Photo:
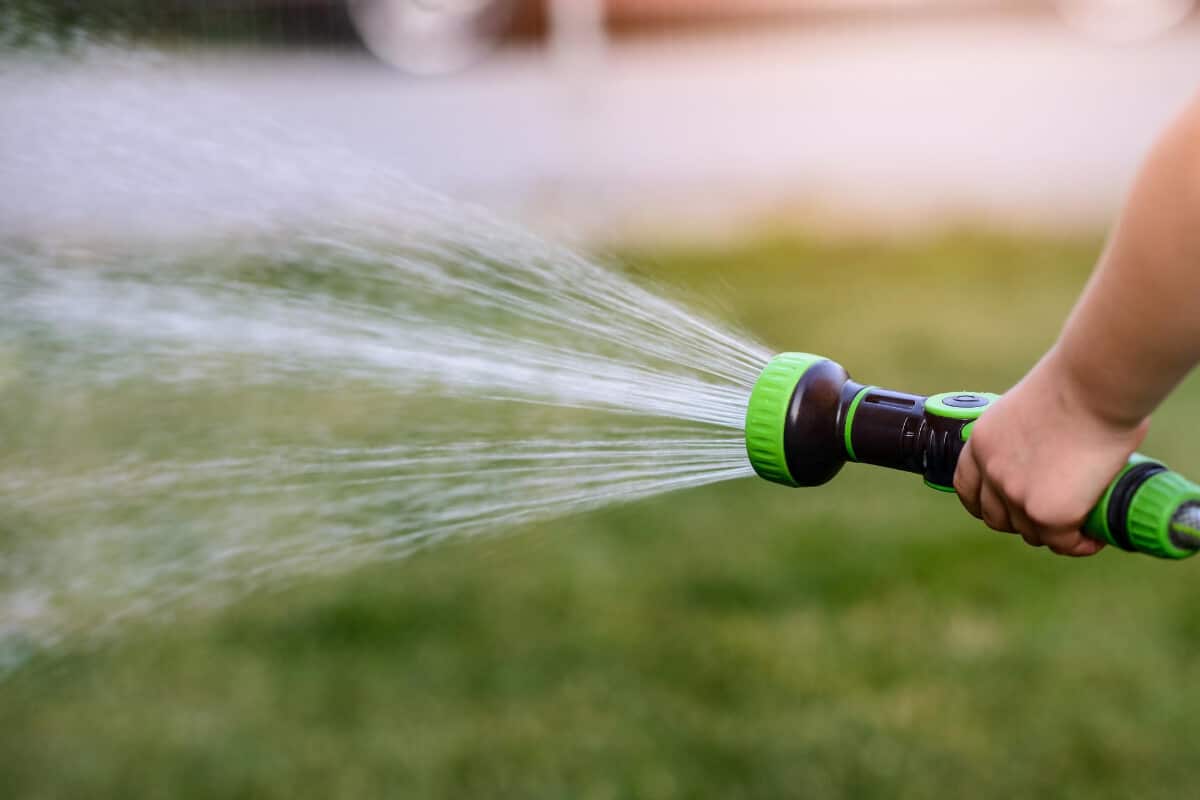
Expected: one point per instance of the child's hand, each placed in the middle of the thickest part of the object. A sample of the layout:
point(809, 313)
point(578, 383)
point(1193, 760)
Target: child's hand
point(1039, 460)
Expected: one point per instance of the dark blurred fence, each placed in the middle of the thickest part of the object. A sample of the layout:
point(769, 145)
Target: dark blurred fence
point(331, 22)
point(260, 21)
point(312, 22)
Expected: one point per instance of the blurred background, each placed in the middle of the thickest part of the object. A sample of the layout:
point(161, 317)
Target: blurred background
point(677, 115)
point(918, 188)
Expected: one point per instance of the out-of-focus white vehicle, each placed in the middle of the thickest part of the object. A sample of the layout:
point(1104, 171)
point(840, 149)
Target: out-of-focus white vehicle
point(432, 36)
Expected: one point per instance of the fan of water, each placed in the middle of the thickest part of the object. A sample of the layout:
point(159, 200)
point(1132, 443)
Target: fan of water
point(187, 416)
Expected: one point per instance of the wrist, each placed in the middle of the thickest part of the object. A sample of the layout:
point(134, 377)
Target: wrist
point(1081, 390)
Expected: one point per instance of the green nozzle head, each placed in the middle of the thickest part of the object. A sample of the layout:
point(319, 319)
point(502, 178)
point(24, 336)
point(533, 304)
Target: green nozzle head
point(767, 414)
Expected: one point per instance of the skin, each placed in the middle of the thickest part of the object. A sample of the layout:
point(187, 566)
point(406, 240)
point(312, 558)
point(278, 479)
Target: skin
point(1039, 460)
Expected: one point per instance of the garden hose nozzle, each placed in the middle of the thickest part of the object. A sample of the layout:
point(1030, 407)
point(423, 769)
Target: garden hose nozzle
point(807, 418)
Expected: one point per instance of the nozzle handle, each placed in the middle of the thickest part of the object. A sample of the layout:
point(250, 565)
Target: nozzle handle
point(1146, 509)
point(806, 418)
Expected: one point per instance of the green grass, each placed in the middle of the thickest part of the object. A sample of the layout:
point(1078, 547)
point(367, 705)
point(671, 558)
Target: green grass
point(867, 639)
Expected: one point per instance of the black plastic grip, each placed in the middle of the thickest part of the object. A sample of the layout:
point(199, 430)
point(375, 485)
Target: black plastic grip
point(893, 429)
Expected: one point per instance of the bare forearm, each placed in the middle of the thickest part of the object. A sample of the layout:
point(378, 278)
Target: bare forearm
point(1136, 331)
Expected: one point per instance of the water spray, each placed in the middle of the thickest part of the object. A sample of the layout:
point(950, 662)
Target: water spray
point(807, 418)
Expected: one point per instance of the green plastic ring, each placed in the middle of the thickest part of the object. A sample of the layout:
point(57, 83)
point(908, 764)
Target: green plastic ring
point(848, 427)
point(936, 405)
point(766, 414)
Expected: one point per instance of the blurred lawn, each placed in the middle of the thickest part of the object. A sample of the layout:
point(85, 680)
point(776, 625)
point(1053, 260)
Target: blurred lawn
point(740, 641)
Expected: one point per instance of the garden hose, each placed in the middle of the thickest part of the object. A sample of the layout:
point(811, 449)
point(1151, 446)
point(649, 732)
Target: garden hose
point(807, 418)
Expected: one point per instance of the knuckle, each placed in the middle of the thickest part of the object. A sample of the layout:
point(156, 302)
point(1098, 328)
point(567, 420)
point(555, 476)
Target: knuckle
point(1015, 489)
point(996, 520)
point(981, 435)
point(1009, 482)
point(997, 471)
point(1048, 512)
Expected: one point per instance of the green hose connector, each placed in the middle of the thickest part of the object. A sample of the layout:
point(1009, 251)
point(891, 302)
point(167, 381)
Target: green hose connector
point(1152, 515)
point(806, 419)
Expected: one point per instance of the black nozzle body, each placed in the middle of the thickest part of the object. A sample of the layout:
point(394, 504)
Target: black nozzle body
point(832, 420)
